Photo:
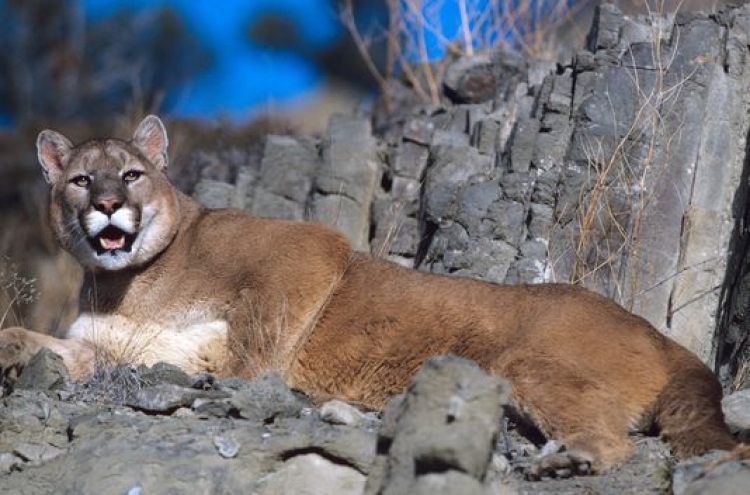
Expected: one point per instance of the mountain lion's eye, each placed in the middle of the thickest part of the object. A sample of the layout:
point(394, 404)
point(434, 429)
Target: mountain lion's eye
point(81, 180)
point(131, 175)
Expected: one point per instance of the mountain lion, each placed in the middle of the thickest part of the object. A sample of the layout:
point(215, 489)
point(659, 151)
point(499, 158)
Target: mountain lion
point(223, 292)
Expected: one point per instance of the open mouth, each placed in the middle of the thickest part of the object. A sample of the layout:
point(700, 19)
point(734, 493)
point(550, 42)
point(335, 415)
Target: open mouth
point(112, 239)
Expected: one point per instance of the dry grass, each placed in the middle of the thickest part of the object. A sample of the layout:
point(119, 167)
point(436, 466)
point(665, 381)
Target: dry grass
point(618, 200)
point(394, 220)
point(742, 378)
point(15, 291)
point(618, 194)
point(415, 33)
point(110, 383)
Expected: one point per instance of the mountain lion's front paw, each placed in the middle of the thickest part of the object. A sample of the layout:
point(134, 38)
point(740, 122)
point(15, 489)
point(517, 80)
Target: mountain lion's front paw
point(561, 465)
point(16, 350)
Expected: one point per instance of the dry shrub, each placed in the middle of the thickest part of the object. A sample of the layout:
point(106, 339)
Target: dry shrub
point(617, 196)
point(15, 291)
point(416, 32)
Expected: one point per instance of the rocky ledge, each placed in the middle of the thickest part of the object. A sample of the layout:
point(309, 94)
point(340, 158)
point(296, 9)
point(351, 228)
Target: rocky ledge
point(153, 431)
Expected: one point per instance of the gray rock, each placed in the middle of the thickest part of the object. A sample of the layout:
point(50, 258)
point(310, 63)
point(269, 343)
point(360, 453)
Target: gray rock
point(418, 131)
point(268, 204)
point(340, 413)
point(737, 483)
point(486, 136)
point(450, 483)
point(353, 447)
point(266, 399)
point(396, 234)
point(509, 221)
point(285, 179)
point(540, 222)
point(110, 455)
point(8, 462)
point(551, 146)
point(227, 447)
point(473, 207)
point(471, 79)
point(443, 137)
point(517, 186)
point(453, 252)
point(704, 476)
point(561, 96)
point(164, 373)
point(499, 476)
point(46, 372)
point(36, 453)
point(347, 178)
point(287, 167)
point(405, 190)
point(442, 431)
point(409, 160)
point(351, 166)
point(523, 144)
point(244, 189)
point(346, 215)
point(213, 194)
point(451, 167)
point(529, 271)
point(166, 397)
point(605, 31)
point(534, 249)
point(736, 408)
point(311, 474)
point(90, 449)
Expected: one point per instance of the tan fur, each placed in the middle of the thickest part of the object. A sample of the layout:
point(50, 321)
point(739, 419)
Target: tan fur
point(224, 292)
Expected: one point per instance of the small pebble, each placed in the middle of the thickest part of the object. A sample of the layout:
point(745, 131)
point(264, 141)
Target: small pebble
point(228, 447)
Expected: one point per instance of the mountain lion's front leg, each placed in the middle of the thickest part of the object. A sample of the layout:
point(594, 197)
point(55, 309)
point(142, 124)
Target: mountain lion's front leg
point(18, 346)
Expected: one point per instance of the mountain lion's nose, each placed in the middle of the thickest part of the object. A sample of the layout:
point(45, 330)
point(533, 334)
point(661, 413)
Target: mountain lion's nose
point(107, 205)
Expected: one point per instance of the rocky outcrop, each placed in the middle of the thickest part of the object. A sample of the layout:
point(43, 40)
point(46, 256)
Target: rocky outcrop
point(174, 434)
point(157, 430)
point(439, 437)
point(226, 437)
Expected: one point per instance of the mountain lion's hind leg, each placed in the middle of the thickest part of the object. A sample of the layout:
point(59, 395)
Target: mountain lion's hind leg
point(571, 409)
point(18, 346)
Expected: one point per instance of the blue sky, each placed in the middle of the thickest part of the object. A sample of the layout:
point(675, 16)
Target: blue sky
point(243, 78)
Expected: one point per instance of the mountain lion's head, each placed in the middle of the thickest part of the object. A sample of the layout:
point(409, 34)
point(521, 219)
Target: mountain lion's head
point(111, 204)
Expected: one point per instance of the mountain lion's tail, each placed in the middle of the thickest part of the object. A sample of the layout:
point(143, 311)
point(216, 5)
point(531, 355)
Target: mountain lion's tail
point(688, 409)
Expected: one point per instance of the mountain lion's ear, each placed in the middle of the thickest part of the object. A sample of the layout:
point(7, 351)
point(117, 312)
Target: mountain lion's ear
point(53, 151)
point(151, 139)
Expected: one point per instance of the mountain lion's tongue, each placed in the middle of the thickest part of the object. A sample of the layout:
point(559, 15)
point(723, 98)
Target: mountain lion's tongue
point(112, 241)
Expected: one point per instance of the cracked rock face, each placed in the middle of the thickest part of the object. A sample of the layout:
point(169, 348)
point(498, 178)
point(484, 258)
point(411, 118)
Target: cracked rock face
point(444, 435)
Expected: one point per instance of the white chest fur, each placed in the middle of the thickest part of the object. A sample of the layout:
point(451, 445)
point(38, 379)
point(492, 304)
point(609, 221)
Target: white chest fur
point(194, 342)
